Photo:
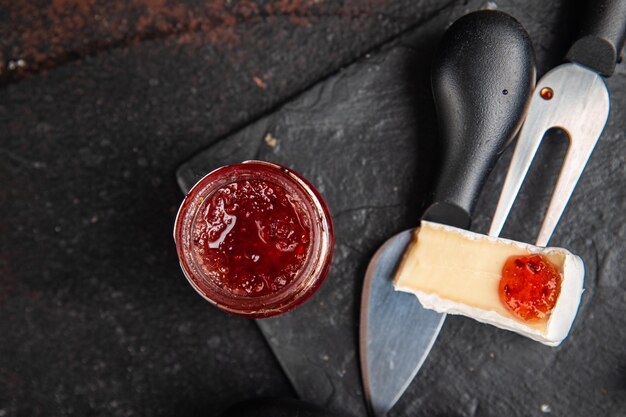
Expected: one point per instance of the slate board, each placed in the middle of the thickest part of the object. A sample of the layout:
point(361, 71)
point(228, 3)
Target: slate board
point(366, 138)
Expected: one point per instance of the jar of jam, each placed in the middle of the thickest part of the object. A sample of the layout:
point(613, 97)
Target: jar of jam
point(255, 239)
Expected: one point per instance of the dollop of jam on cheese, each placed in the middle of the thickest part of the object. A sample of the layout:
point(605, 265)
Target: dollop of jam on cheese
point(530, 286)
point(252, 237)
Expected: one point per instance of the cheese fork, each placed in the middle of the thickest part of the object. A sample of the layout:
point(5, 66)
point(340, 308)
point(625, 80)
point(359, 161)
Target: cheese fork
point(574, 98)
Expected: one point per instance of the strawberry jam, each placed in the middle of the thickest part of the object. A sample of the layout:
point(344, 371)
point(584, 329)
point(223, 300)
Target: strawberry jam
point(251, 237)
point(530, 286)
point(255, 238)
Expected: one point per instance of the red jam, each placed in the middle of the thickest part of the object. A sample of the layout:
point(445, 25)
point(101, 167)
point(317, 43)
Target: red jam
point(530, 286)
point(251, 237)
point(255, 238)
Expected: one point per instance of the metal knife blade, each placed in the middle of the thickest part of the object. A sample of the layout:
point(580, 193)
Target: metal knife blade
point(403, 318)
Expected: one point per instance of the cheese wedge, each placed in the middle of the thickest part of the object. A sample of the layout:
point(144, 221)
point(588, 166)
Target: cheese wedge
point(455, 271)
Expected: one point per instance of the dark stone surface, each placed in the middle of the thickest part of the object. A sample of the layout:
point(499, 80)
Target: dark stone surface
point(366, 138)
point(95, 316)
point(277, 407)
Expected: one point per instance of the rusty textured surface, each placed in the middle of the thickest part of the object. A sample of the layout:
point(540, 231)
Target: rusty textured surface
point(39, 35)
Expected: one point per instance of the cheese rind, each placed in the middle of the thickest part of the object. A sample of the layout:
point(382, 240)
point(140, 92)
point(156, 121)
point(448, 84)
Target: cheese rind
point(455, 271)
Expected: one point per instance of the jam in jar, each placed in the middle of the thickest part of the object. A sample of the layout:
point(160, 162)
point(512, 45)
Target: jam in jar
point(255, 238)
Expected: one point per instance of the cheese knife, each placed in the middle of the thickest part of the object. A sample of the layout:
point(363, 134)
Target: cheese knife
point(482, 80)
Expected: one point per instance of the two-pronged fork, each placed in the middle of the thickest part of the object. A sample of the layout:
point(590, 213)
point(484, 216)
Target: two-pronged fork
point(572, 97)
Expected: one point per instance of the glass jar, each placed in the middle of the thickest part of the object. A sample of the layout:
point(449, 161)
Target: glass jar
point(255, 239)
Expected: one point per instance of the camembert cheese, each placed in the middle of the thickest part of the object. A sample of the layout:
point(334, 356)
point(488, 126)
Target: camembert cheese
point(455, 271)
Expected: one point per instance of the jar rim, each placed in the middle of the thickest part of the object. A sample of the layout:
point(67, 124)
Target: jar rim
point(309, 276)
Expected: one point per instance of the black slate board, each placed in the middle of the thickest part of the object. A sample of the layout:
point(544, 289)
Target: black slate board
point(316, 342)
point(366, 138)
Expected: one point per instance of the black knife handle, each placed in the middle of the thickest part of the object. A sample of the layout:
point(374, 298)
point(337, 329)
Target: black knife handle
point(601, 36)
point(482, 80)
